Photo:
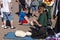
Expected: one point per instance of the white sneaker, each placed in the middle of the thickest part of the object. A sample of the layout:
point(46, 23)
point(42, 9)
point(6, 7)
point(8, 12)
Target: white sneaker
point(12, 27)
point(5, 27)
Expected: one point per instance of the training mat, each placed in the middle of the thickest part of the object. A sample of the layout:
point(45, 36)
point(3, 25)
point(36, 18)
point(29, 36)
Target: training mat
point(11, 36)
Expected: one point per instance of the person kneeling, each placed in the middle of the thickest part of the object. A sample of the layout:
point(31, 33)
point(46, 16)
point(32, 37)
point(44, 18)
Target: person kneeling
point(23, 19)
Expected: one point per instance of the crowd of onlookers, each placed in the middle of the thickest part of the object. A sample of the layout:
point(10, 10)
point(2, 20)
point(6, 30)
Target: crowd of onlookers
point(27, 9)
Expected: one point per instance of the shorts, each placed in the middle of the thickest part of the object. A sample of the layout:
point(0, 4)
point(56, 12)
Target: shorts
point(24, 22)
point(7, 16)
point(34, 8)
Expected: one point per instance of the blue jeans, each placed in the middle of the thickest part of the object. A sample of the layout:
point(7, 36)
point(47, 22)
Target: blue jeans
point(7, 16)
point(34, 8)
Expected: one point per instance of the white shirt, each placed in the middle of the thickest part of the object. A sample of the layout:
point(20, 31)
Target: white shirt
point(5, 5)
point(28, 2)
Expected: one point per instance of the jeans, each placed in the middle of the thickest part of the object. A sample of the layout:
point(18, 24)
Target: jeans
point(7, 16)
point(34, 8)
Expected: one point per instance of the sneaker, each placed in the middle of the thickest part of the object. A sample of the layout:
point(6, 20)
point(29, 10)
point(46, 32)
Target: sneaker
point(5, 27)
point(12, 27)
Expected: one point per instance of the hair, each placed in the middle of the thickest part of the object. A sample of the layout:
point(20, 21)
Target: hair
point(42, 5)
point(25, 9)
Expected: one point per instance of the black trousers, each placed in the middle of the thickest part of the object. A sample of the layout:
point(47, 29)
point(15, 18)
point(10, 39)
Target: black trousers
point(29, 13)
point(21, 7)
point(57, 27)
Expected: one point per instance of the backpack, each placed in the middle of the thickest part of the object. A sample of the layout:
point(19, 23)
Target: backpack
point(40, 33)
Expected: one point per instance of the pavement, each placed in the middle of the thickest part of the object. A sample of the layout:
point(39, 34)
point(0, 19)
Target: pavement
point(18, 27)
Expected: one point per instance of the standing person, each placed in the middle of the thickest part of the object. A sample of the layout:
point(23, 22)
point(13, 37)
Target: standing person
point(49, 4)
point(1, 12)
point(35, 5)
point(2, 17)
point(28, 4)
point(57, 26)
point(21, 4)
point(57, 19)
point(7, 14)
point(40, 2)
